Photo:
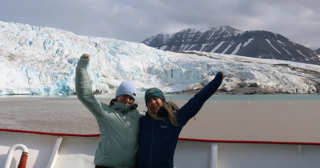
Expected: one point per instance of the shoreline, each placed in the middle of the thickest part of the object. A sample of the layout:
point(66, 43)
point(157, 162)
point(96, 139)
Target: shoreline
point(188, 92)
point(242, 91)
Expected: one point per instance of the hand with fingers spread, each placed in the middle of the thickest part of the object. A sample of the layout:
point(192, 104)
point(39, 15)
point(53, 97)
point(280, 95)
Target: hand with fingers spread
point(86, 55)
point(222, 75)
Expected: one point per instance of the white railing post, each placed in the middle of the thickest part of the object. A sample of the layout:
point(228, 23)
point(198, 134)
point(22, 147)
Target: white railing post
point(11, 152)
point(54, 153)
point(299, 148)
point(214, 155)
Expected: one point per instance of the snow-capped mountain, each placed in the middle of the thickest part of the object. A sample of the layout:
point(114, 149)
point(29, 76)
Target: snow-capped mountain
point(40, 60)
point(228, 40)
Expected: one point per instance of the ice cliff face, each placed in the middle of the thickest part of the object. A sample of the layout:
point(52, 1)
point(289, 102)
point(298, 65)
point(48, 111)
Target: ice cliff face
point(37, 60)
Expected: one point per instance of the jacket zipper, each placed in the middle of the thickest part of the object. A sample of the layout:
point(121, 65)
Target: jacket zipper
point(125, 144)
point(151, 142)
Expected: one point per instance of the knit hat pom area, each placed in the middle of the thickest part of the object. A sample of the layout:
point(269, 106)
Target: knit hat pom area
point(127, 88)
point(154, 92)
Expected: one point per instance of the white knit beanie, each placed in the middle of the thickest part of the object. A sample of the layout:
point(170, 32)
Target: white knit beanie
point(127, 88)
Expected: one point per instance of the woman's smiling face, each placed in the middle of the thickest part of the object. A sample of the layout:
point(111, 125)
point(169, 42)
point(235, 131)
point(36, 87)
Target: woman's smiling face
point(154, 104)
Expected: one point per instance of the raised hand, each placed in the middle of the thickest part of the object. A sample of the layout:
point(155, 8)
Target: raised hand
point(86, 55)
point(222, 75)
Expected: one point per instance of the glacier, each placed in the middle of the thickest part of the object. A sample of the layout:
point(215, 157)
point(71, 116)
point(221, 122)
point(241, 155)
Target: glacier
point(42, 61)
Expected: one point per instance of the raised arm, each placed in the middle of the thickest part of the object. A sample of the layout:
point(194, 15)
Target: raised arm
point(192, 107)
point(84, 89)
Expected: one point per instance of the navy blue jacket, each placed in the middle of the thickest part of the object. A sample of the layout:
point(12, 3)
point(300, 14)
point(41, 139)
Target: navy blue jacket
point(158, 138)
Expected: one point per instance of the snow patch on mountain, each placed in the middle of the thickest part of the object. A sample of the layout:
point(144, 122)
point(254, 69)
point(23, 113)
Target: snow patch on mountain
point(218, 46)
point(272, 46)
point(237, 49)
point(247, 42)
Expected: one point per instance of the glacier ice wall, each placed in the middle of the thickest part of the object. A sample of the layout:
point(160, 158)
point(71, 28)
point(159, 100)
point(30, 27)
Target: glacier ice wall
point(38, 60)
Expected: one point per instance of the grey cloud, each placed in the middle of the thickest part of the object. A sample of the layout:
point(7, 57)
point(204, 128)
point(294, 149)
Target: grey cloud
point(136, 20)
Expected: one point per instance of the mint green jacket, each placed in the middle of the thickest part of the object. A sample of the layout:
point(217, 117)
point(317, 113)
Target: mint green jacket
point(118, 124)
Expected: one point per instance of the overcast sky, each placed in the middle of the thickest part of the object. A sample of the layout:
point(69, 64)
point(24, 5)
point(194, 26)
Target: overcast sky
point(136, 20)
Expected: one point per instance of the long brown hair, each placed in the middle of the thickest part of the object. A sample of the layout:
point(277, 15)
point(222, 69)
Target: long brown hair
point(171, 109)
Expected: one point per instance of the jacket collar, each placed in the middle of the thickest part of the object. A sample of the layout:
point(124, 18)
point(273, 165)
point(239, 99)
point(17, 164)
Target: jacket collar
point(124, 108)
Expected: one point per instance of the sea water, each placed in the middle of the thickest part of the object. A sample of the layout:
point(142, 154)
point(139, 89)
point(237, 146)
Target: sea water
point(55, 113)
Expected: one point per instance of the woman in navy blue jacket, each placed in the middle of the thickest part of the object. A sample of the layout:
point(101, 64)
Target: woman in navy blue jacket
point(160, 128)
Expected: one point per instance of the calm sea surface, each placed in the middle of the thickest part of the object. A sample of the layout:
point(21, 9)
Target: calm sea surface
point(56, 114)
point(277, 97)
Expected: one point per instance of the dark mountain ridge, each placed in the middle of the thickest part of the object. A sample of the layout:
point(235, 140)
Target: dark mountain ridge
point(228, 40)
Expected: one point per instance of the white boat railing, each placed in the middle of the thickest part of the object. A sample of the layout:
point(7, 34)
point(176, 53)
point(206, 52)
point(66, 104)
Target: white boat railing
point(54, 154)
point(57, 150)
point(10, 154)
point(214, 155)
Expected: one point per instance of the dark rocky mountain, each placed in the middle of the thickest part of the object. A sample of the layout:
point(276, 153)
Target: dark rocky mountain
point(228, 40)
point(317, 50)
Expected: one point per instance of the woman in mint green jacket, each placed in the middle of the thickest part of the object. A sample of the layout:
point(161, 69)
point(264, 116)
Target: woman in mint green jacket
point(118, 122)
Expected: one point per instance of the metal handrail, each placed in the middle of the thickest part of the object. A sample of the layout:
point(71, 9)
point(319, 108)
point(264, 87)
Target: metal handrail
point(23, 159)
